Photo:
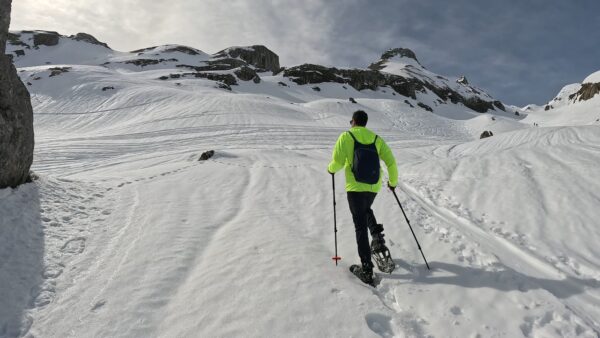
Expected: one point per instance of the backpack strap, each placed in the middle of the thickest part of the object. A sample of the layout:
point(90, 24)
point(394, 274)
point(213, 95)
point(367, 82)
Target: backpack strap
point(349, 132)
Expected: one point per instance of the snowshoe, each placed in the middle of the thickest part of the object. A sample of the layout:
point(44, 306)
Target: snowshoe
point(364, 274)
point(381, 255)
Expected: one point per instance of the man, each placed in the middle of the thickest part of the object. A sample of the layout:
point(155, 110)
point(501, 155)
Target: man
point(363, 182)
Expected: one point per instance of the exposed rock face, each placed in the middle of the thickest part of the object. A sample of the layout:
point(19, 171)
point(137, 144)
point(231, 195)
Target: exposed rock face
point(45, 38)
point(89, 39)
point(4, 23)
point(372, 79)
point(16, 115)
point(246, 74)
point(586, 92)
point(258, 56)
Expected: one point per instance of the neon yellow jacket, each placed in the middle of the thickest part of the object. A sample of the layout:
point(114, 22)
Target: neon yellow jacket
point(343, 155)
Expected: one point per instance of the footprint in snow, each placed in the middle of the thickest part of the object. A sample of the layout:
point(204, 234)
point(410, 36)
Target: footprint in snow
point(380, 324)
point(74, 246)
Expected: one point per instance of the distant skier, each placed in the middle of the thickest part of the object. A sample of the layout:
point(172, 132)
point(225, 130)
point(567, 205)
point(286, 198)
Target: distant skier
point(359, 150)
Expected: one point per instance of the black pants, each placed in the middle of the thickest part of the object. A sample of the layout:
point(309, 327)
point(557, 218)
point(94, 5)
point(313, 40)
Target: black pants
point(364, 220)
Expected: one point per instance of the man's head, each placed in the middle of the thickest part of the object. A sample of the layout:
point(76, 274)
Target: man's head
point(359, 118)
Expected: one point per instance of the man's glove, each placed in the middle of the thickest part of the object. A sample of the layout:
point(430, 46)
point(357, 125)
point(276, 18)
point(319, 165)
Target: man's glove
point(390, 187)
point(330, 173)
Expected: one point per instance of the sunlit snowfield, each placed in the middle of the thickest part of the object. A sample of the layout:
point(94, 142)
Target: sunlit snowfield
point(127, 234)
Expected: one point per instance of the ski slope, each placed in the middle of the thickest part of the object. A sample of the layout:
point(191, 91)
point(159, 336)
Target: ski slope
point(127, 234)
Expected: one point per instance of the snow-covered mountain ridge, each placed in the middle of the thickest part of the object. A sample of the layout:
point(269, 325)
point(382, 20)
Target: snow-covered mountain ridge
point(392, 74)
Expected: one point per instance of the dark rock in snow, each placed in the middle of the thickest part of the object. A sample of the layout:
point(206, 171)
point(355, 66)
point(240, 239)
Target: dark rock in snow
point(15, 40)
point(499, 105)
point(107, 88)
point(45, 38)
point(408, 103)
point(283, 84)
point(89, 39)
point(547, 107)
point(246, 73)
point(183, 49)
point(223, 86)
point(586, 92)
point(351, 99)
point(147, 62)
point(486, 134)
point(16, 115)
point(257, 55)
point(424, 106)
point(478, 104)
point(54, 71)
point(309, 73)
point(316, 88)
point(206, 155)
point(462, 80)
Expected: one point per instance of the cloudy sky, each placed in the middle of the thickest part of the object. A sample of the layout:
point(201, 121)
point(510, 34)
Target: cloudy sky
point(519, 51)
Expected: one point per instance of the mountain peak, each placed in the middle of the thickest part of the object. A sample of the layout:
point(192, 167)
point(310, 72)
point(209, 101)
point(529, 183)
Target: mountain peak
point(400, 52)
point(403, 56)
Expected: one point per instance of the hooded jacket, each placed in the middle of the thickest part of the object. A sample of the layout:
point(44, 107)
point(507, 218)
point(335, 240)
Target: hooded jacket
point(343, 156)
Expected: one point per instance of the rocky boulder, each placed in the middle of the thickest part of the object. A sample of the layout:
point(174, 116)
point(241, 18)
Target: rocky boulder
point(485, 134)
point(257, 55)
point(89, 39)
point(45, 38)
point(16, 115)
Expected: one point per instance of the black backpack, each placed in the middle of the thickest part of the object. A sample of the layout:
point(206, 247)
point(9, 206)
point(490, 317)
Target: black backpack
point(365, 166)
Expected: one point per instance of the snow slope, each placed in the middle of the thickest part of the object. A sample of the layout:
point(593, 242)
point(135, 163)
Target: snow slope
point(127, 234)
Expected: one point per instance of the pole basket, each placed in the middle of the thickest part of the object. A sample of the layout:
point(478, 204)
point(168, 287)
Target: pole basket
point(336, 259)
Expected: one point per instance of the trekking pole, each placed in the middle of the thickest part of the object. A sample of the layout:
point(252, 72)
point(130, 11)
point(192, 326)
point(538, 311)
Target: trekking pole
point(411, 230)
point(336, 258)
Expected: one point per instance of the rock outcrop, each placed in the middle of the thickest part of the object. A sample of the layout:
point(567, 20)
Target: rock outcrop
point(45, 38)
point(486, 134)
point(258, 56)
point(88, 38)
point(394, 52)
point(586, 92)
point(372, 79)
point(246, 73)
point(16, 115)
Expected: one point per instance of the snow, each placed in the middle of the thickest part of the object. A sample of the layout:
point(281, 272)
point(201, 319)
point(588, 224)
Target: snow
point(593, 78)
point(127, 234)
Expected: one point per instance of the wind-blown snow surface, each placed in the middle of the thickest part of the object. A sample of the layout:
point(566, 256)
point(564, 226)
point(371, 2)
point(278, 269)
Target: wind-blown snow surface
point(127, 234)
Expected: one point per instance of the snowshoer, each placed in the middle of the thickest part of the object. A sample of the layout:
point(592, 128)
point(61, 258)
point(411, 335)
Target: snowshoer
point(359, 151)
